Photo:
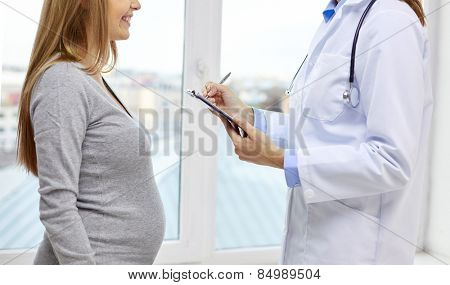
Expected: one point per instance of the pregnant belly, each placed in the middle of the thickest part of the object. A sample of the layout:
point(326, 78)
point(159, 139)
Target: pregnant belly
point(130, 228)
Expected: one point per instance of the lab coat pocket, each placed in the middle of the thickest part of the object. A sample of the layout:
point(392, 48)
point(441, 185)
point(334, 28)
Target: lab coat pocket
point(339, 234)
point(322, 97)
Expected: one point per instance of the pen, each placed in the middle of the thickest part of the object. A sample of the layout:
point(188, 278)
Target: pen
point(223, 80)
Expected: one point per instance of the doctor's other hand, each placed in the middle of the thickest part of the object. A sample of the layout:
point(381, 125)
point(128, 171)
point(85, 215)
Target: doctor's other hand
point(256, 147)
point(221, 96)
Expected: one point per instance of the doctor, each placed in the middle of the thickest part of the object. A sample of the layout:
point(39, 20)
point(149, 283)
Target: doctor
point(355, 144)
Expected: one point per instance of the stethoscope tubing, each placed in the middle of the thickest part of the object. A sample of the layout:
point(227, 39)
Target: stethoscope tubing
point(347, 93)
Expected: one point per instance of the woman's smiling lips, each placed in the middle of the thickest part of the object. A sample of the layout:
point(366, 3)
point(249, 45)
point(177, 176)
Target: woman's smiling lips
point(127, 19)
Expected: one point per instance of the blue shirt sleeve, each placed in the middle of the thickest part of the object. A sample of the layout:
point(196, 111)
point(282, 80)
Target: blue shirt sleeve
point(260, 121)
point(290, 168)
point(290, 156)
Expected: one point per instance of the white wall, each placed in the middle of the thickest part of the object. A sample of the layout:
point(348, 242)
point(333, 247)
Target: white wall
point(437, 236)
point(1, 49)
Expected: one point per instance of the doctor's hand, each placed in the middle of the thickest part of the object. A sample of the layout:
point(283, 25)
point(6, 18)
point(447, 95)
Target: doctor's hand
point(221, 96)
point(256, 147)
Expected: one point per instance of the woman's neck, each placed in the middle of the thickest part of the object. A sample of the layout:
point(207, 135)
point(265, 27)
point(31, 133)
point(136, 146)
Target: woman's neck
point(90, 58)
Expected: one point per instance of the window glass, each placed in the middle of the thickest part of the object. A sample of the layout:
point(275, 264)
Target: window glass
point(148, 79)
point(263, 44)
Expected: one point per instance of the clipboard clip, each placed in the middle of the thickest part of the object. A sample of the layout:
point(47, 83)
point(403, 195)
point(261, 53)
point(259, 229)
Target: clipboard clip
point(218, 111)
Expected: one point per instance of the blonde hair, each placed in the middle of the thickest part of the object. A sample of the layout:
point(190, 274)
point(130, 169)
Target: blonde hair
point(417, 6)
point(62, 36)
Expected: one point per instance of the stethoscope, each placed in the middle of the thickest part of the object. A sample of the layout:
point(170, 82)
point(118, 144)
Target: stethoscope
point(347, 93)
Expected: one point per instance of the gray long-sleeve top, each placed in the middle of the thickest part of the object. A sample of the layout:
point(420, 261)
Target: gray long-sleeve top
point(98, 199)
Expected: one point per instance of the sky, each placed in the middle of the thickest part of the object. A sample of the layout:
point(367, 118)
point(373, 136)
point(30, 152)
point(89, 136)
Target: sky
point(259, 37)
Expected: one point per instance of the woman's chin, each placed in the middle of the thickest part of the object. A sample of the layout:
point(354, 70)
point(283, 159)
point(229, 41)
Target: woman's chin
point(125, 37)
point(121, 32)
point(122, 36)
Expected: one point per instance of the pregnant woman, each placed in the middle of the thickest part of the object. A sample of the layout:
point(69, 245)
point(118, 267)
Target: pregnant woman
point(98, 199)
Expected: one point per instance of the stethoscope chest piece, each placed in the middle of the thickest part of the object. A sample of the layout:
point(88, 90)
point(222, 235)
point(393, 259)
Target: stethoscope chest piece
point(351, 98)
point(346, 95)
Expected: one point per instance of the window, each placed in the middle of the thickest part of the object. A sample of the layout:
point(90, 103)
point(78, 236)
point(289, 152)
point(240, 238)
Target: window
point(214, 203)
point(20, 227)
point(149, 74)
point(262, 56)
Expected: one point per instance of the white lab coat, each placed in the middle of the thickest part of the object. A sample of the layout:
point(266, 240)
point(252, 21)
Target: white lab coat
point(363, 170)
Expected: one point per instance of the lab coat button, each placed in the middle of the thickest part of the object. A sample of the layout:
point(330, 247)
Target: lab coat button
point(308, 193)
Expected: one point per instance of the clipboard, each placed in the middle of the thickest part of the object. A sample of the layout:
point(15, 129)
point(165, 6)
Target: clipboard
point(214, 108)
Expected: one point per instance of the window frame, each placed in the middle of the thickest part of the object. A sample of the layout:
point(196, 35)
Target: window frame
point(197, 223)
point(202, 58)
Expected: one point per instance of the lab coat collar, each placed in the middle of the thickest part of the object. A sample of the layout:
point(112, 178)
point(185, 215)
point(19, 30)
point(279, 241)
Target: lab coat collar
point(323, 31)
point(354, 2)
point(349, 4)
